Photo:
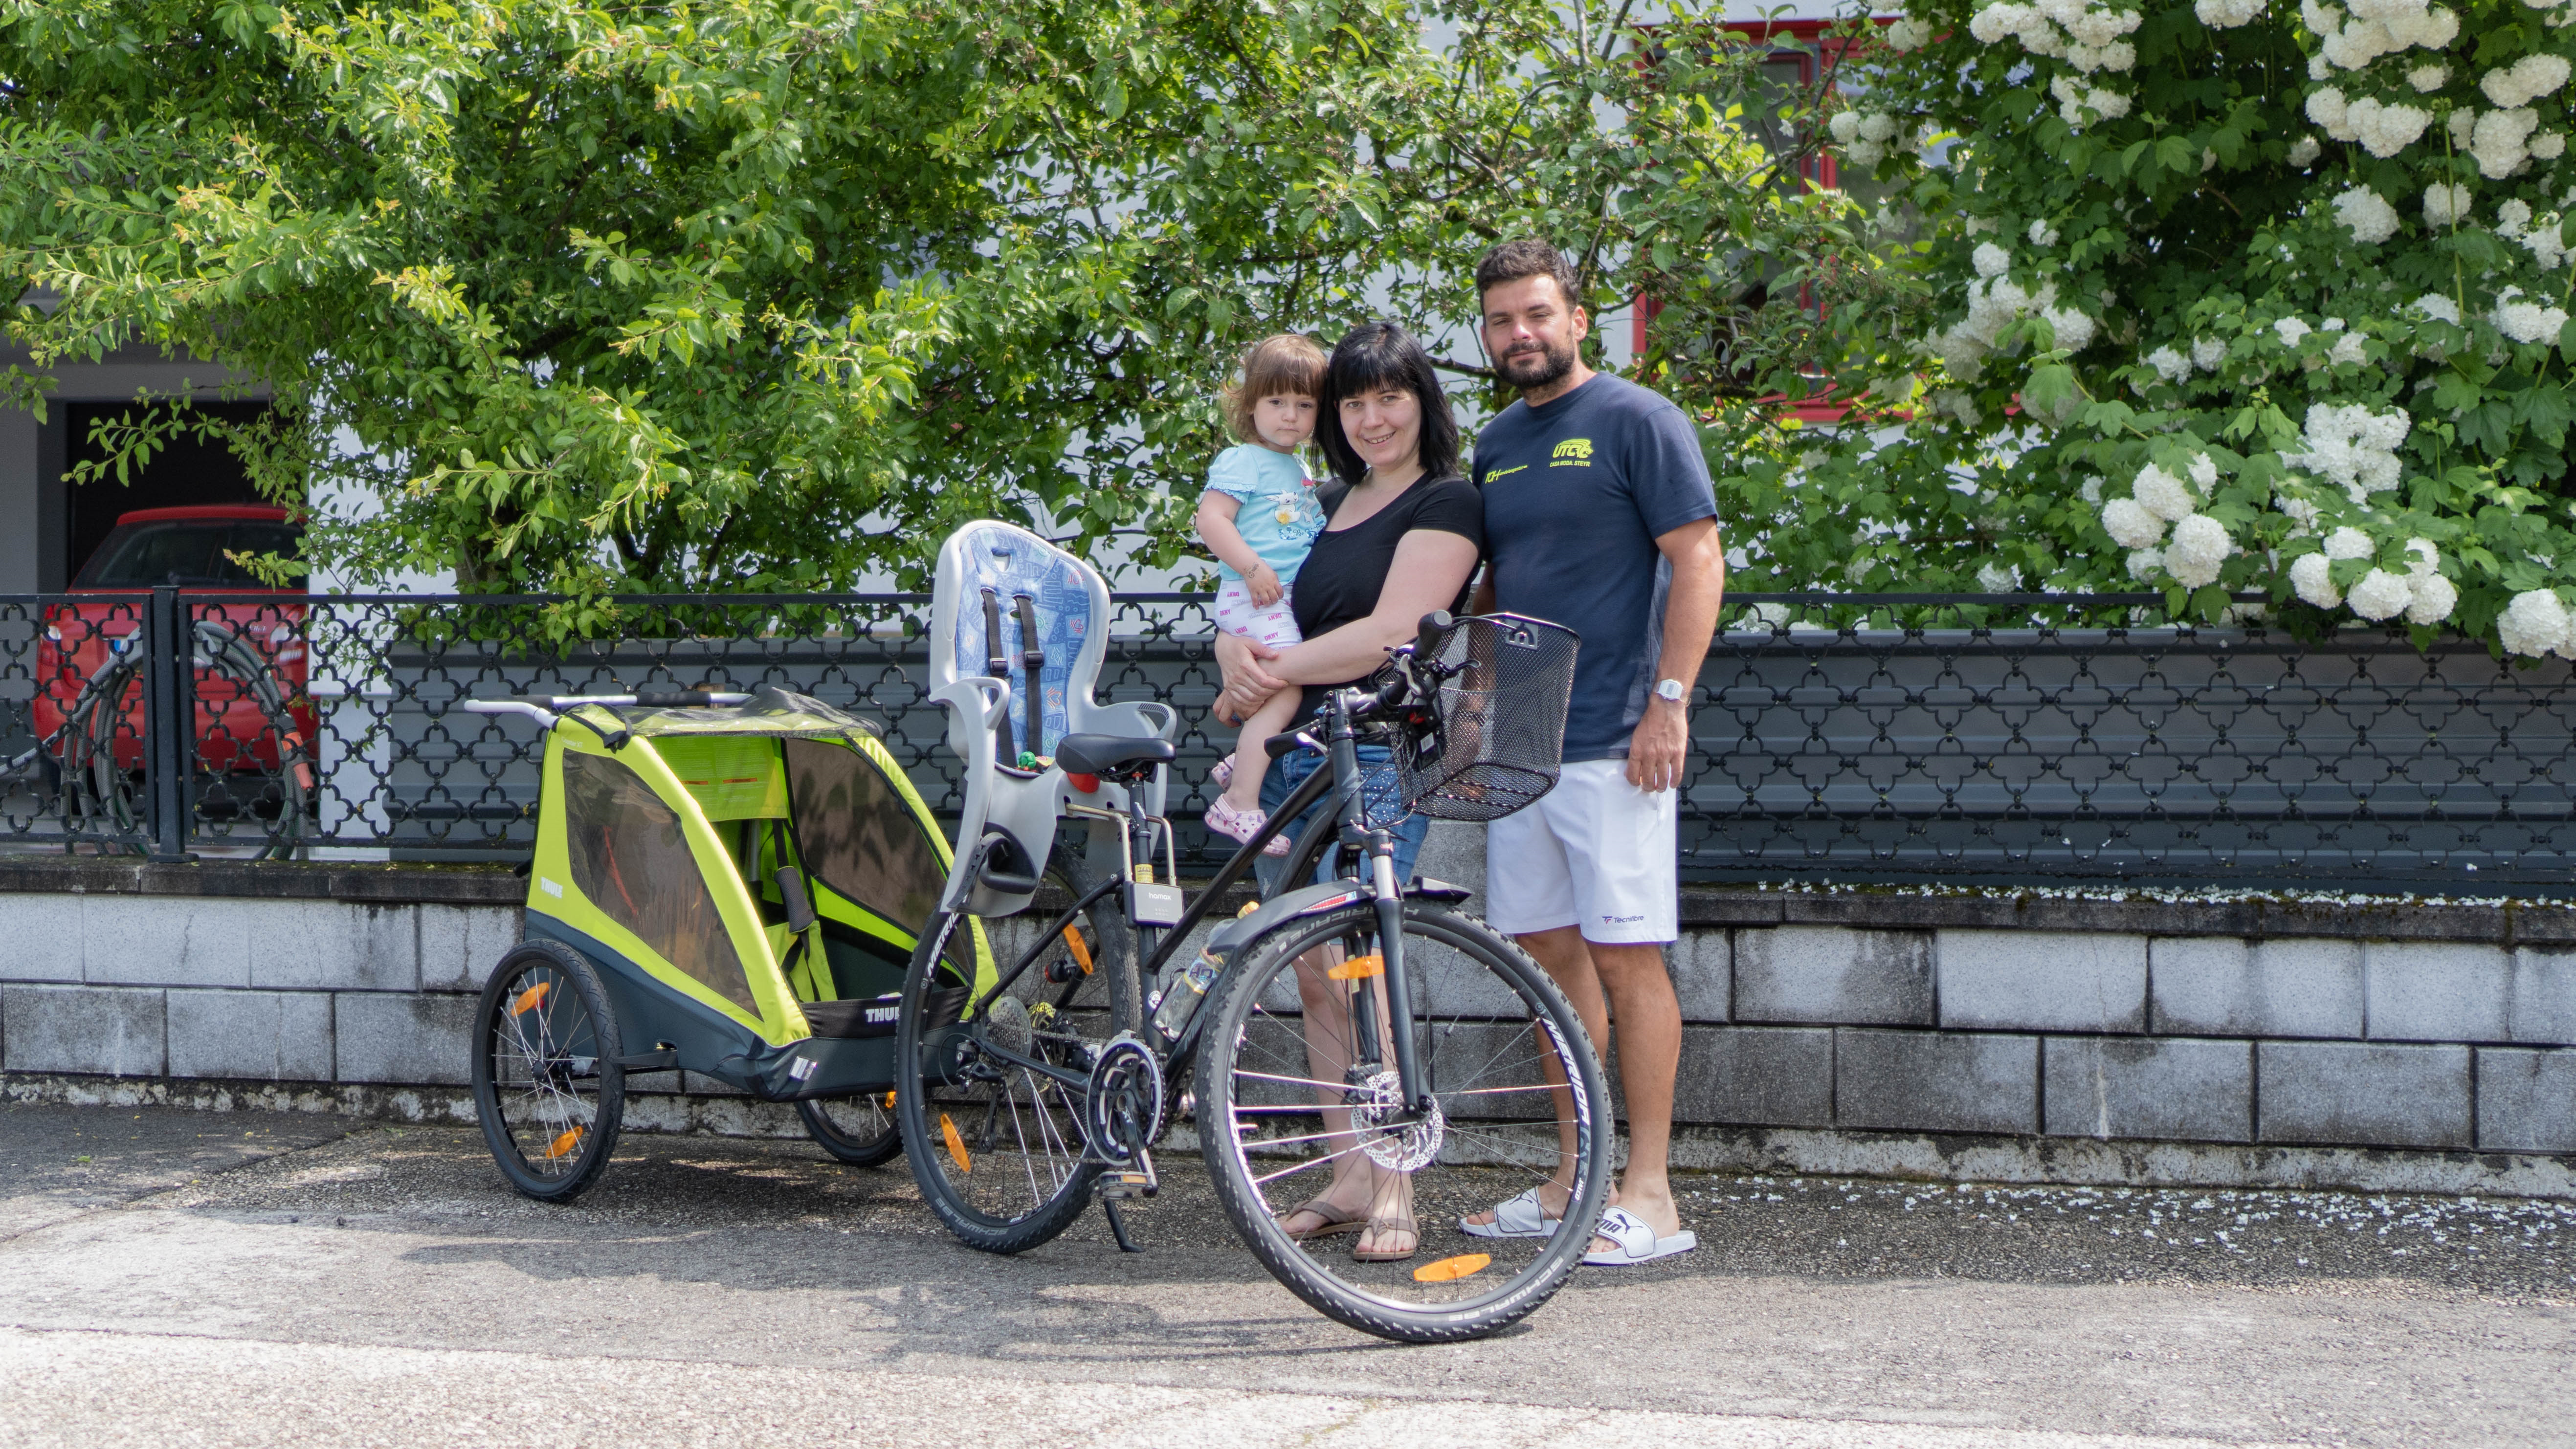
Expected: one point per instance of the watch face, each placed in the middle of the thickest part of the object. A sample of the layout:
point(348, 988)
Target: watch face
point(1670, 691)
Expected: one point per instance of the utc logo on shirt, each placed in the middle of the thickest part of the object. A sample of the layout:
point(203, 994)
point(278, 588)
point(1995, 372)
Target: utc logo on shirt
point(1572, 453)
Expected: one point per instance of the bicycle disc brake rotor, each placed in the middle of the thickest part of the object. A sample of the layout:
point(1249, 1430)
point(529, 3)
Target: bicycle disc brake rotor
point(1122, 1110)
point(1397, 1146)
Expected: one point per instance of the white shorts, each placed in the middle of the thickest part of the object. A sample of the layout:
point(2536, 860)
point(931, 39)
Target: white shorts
point(1595, 852)
point(1274, 626)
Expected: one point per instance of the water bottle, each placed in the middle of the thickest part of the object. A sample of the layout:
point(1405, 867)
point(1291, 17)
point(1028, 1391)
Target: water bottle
point(1180, 1000)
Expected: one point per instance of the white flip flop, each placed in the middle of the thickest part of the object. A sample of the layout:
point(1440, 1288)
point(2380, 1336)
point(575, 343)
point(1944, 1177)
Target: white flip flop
point(1522, 1217)
point(1632, 1242)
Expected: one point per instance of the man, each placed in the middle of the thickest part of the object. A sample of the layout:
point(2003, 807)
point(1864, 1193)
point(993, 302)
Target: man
point(1599, 515)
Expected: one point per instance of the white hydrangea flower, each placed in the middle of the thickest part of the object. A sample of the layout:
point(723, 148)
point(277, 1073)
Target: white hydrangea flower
point(2385, 130)
point(2423, 558)
point(2203, 472)
point(2445, 204)
point(2208, 352)
point(2290, 330)
point(2200, 547)
point(2381, 595)
point(1994, 578)
point(2169, 364)
point(1991, 260)
point(2431, 598)
point(2429, 77)
point(2302, 513)
point(1845, 126)
point(2305, 150)
point(2548, 145)
point(2091, 489)
point(2074, 329)
point(2366, 214)
point(2131, 525)
point(2534, 624)
point(2311, 580)
point(1864, 154)
point(1907, 33)
point(2162, 494)
point(2348, 351)
point(2500, 140)
point(2145, 563)
point(2438, 307)
point(2349, 542)
point(2525, 81)
point(1878, 126)
point(2226, 14)
point(2327, 107)
point(2074, 96)
point(2526, 322)
point(2354, 447)
point(2512, 217)
point(2041, 234)
point(2541, 239)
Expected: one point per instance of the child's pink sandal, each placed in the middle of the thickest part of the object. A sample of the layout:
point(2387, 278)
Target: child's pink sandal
point(1242, 825)
point(1223, 774)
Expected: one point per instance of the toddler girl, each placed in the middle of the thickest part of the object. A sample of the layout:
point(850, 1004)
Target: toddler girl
point(1259, 517)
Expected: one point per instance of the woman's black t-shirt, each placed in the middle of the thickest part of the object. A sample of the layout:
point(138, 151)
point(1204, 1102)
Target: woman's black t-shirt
point(1346, 571)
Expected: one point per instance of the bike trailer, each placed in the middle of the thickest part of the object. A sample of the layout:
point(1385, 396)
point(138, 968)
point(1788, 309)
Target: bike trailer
point(747, 879)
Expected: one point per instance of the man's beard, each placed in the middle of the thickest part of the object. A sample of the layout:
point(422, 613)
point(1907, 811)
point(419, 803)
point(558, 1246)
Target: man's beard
point(1532, 370)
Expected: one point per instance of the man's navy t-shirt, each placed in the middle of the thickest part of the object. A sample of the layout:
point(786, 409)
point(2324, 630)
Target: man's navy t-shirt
point(1576, 492)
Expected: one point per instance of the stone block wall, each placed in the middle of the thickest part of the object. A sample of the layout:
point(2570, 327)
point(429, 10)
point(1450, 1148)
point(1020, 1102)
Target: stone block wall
point(2228, 1041)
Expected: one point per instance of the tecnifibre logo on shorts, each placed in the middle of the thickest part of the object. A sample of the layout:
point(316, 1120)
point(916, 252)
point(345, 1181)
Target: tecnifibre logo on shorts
point(1621, 920)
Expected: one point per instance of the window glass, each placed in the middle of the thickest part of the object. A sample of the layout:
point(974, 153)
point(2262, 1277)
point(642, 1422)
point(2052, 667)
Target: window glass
point(858, 836)
point(630, 859)
point(146, 554)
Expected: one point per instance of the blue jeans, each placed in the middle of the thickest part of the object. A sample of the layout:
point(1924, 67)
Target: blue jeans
point(1290, 771)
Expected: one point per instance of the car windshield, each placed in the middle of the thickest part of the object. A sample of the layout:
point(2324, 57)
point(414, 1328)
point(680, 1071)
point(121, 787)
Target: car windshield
point(190, 553)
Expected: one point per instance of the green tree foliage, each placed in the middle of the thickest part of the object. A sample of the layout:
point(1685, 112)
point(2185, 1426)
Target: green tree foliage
point(722, 294)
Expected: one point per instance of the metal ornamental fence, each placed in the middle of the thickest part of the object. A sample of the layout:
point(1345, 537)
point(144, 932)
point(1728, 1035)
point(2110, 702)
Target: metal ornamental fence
point(1993, 738)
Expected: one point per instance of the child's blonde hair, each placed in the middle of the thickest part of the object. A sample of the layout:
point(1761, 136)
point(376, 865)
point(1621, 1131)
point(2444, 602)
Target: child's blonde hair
point(1287, 363)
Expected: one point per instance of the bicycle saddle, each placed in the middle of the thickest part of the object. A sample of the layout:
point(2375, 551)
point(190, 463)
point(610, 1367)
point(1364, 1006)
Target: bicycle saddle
point(1111, 754)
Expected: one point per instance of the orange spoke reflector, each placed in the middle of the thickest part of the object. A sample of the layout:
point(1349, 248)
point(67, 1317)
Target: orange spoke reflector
point(1081, 953)
point(956, 1144)
point(520, 1003)
point(563, 1146)
point(1451, 1269)
point(889, 1101)
point(1358, 968)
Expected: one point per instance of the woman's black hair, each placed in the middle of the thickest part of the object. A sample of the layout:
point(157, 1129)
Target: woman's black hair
point(1376, 355)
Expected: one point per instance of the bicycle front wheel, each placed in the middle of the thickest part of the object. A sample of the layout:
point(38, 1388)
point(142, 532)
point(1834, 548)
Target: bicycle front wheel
point(1296, 1104)
point(996, 1144)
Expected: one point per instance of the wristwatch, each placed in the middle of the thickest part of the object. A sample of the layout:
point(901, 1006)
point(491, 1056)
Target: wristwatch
point(1671, 691)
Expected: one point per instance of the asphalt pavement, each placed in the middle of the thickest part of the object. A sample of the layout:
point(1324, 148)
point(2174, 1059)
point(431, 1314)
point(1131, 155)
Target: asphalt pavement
point(169, 1277)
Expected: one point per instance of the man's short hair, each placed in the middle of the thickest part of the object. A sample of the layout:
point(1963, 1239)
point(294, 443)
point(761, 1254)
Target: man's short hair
point(1289, 362)
point(1527, 257)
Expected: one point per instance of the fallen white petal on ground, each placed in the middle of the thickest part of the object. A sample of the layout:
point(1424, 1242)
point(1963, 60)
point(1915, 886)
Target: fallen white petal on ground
point(99, 1390)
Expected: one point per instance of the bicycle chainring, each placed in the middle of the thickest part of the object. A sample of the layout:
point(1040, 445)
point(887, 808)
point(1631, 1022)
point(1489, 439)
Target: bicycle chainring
point(1377, 1110)
point(1122, 1108)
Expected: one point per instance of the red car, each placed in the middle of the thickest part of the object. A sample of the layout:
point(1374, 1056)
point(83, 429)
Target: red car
point(252, 710)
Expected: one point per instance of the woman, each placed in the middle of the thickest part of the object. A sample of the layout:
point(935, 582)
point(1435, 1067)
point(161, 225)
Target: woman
point(1401, 538)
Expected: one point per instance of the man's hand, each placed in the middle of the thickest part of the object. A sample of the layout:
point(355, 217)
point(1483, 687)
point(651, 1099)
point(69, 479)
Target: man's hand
point(1263, 584)
point(1248, 686)
point(1660, 747)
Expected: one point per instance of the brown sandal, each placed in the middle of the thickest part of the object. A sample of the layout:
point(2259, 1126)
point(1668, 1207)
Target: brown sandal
point(1388, 1225)
point(1335, 1220)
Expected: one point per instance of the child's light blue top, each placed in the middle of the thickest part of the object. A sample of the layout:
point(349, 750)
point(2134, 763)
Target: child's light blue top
point(1279, 517)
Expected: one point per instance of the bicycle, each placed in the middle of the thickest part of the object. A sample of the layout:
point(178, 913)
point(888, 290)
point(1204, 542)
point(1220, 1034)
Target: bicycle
point(1355, 1018)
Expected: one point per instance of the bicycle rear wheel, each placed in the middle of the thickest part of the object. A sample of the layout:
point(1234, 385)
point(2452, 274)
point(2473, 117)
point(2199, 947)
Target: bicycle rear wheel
point(858, 1130)
point(1287, 1089)
point(997, 1146)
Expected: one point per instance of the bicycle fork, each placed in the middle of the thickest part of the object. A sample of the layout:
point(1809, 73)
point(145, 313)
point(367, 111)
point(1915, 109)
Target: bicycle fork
point(1397, 1031)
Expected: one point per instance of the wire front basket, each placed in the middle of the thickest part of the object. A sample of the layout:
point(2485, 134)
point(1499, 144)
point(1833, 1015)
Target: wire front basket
point(1495, 737)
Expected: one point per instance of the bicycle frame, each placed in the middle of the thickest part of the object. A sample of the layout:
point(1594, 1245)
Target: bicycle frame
point(1344, 826)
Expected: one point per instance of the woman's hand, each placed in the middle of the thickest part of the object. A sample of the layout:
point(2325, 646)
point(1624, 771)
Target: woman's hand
point(1263, 584)
point(1248, 686)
